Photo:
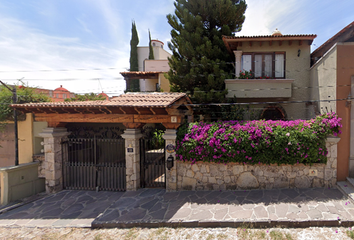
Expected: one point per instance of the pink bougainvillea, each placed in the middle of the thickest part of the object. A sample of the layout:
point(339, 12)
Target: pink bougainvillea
point(252, 142)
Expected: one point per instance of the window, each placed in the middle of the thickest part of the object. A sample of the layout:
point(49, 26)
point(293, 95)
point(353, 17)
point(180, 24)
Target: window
point(264, 65)
point(50, 93)
point(64, 96)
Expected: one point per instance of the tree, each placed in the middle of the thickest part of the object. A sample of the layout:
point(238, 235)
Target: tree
point(25, 94)
point(200, 61)
point(151, 49)
point(85, 97)
point(134, 64)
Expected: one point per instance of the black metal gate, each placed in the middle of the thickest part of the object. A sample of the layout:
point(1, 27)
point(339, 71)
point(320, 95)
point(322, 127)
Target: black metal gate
point(152, 164)
point(94, 164)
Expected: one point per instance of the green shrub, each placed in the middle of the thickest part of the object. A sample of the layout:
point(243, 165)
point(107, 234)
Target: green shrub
point(259, 141)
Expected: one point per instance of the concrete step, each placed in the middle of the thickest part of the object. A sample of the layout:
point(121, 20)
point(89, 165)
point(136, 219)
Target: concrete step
point(346, 188)
point(350, 181)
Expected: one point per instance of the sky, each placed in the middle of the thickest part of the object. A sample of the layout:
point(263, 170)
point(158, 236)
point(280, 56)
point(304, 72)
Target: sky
point(85, 44)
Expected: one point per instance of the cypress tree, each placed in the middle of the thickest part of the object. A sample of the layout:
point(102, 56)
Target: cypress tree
point(200, 61)
point(151, 49)
point(134, 65)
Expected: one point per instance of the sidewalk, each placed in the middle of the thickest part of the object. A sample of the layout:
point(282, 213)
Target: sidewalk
point(157, 208)
point(256, 208)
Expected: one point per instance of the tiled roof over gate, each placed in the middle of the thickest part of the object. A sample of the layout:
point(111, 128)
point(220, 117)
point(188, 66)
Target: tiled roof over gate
point(155, 99)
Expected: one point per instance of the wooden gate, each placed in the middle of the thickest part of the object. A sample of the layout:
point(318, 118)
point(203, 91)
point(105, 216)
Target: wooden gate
point(152, 164)
point(94, 164)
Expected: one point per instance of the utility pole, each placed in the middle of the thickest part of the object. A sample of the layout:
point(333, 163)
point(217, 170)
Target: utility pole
point(14, 101)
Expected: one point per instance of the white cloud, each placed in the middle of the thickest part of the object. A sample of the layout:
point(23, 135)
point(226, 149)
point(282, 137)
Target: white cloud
point(25, 48)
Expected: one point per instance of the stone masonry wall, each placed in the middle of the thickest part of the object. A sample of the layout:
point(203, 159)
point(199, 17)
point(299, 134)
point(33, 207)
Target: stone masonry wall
point(41, 167)
point(213, 176)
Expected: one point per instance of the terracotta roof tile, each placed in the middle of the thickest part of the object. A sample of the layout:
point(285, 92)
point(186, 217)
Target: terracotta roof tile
point(272, 36)
point(155, 99)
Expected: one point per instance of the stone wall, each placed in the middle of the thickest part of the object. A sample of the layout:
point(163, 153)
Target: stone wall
point(213, 176)
point(40, 158)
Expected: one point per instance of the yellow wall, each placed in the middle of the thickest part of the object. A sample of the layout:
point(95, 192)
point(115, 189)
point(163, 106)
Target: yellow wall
point(29, 141)
point(25, 140)
point(164, 83)
point(297, 68)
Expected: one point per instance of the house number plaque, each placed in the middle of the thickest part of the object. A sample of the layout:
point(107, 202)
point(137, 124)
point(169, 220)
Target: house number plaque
point(170, 148)
point(130, 150)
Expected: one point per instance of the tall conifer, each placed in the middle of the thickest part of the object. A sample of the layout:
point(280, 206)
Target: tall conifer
point(151, 49)
point(134, 65)
point(200, 61)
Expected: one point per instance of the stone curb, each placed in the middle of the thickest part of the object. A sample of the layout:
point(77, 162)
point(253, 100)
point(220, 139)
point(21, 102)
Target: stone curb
point(225, 224)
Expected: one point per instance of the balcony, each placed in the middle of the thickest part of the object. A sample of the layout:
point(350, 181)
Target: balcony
point(259, 88)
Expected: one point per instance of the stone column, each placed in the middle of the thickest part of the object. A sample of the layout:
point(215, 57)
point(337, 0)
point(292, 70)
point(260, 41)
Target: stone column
point(132, 158)
point(238, 55)
point(53, 158)
point(171, 175)
point(330, 171)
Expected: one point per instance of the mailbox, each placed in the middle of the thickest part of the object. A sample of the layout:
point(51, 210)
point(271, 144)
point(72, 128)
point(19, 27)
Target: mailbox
point(170, 162)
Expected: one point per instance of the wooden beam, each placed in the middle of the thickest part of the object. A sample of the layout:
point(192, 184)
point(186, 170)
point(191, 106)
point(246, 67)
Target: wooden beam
point(137, 110)
point(108, 110)
point(106, 118)
point(280, 43)
point(250, 44)
point(300, 42)
point(90, 118)
point(157, 118)
point(104, 112)
point(260, 43)
point(90, 111)
point(120, 108)
point(152, 111)
point(270, 43)
point(290, 42)
point(64, 110)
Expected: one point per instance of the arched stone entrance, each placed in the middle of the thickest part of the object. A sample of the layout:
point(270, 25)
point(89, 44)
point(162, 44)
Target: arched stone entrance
point(273, 112)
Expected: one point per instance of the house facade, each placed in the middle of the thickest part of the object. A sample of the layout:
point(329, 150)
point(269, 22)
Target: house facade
point(332, 81)
point(280, 73)
point(151, 72)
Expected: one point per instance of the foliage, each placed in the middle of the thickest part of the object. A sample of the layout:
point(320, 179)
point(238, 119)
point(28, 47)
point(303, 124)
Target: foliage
point(246, 74)
point(158, 139)
point(151, 49)
point(85, 97)
point(25, 94)
point(134, 64)
point(199, 57)
point(256, 142)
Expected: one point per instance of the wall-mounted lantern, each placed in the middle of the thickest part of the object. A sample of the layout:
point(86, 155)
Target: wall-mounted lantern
point(170, 162)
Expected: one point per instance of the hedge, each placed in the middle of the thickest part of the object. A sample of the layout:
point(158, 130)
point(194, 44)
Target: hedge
point(256, 142)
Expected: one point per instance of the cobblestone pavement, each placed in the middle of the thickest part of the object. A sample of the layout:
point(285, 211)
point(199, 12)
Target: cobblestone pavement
point(338, 233)
point(158, 208)
point(66, 208)
point(260, 208)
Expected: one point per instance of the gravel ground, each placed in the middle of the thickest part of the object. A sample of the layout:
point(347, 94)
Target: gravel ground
point(176, 233)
